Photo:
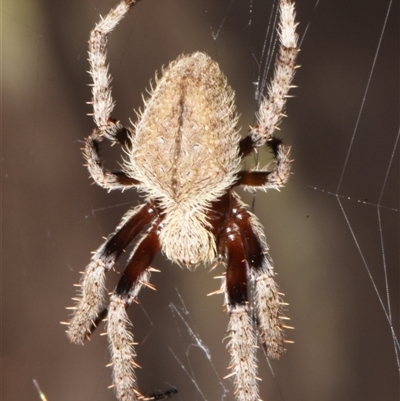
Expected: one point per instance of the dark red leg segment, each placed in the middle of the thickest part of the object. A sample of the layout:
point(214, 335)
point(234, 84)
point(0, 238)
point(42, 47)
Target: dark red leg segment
point(246, 146)
point(119, 240)
point(266, 179)
point(139, 261)
point(119, 134)
point(253, 178)
point(236, 270)
point(116, 243)
point(253, 248)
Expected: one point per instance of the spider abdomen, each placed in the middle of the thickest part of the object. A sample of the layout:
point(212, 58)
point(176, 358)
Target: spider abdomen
point(185, 143)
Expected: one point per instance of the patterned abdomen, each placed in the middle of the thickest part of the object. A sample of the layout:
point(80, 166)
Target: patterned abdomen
point(185, 144)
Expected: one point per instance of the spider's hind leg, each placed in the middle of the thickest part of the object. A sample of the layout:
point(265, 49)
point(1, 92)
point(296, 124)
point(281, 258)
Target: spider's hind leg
point(92, 288)
point(242, 344)
point(136, 275)
point(267, 299)
point(103, 103)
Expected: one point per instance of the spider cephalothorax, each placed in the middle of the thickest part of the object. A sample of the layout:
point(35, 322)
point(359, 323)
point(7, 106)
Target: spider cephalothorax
point(184, 155)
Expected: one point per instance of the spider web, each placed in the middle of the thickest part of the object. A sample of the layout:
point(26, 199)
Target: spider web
point(333, 231)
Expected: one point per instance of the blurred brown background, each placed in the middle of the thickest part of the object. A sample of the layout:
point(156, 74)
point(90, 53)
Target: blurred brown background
point(53, 218)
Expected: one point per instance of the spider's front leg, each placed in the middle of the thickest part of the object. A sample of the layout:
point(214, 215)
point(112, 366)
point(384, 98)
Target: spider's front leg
point(103, 103)
point(272, 108)
point(102, 100)
point(107, 179)
point(264, 179)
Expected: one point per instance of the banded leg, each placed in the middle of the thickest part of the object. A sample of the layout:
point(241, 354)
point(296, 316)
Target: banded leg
point(264, 179)
point(103, 177)
point(92, 289)
point(272, 106)
point(266, 296)
point(103, 103)
point(242, 344)
point(102, 100)
point(136, 274)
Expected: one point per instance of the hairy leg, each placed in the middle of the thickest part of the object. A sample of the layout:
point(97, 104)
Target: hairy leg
point(136, 274)
point(264, 179)
point(102, 100)
point(92, 289)
point(103, 177)
point(267, 299)
point(103, 103)
point(242, 344)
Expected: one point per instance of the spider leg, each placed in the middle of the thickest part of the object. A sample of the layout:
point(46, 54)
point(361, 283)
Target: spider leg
point(267, 299)
point(103, 103)
point(102, 100)
point(91, 296)
point(242, 344)
point(136, 274)
point(105, 178)
point(274, 179)
point(272, 106)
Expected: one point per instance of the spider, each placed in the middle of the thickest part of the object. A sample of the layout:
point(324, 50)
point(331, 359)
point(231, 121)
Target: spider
point(184, 155)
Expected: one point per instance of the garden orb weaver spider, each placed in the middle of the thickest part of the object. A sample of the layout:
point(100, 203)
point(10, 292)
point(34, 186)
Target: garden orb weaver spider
point(184, 156)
